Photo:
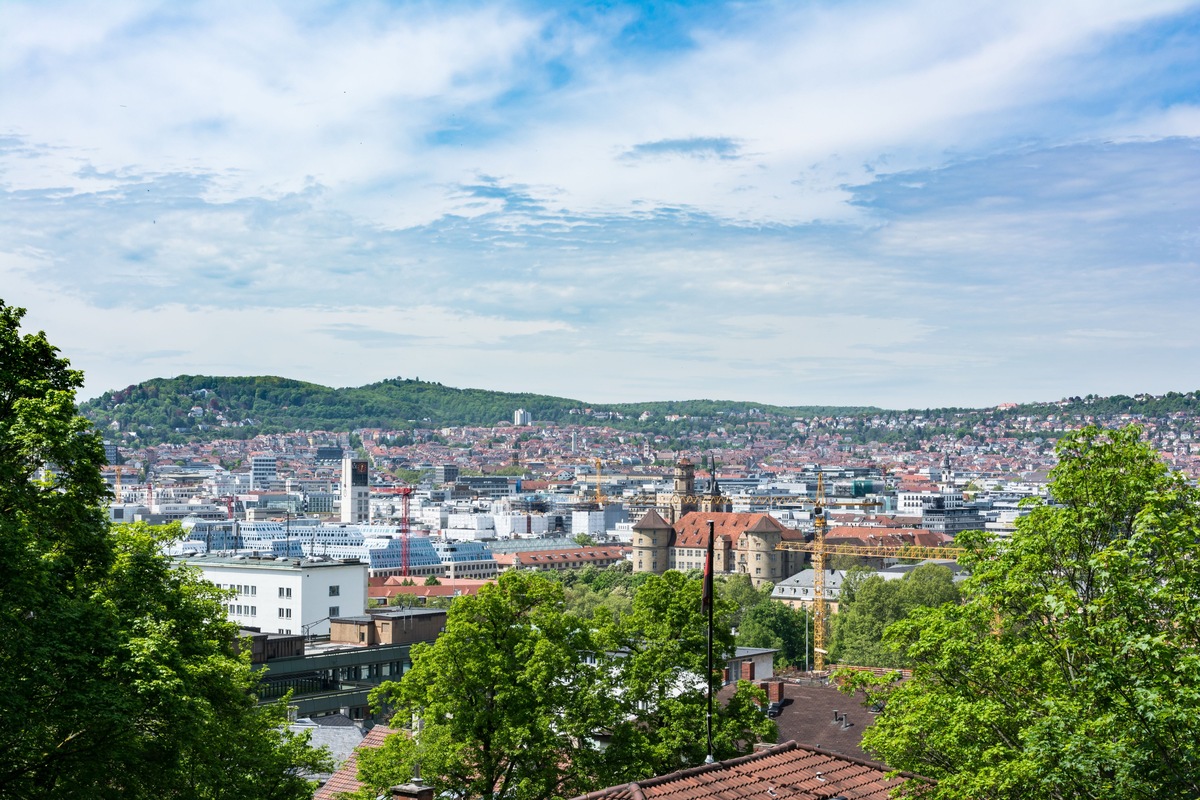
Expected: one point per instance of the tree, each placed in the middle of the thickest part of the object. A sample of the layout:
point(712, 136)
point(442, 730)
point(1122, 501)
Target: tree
point(662, 678)
point(1071, 668)
point(739, 591)
point(777, 626)
point(432, 580)
point(869, 604)
point(509, 703)
point(520, 699)
point(119, 674)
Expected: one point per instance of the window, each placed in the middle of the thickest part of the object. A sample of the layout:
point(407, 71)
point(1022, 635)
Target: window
point(335, 611)
point(334, 591)
point(285, 592)
point(285, 613)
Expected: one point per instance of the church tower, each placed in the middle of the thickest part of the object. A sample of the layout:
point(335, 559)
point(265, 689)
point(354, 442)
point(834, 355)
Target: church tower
point(683, 499)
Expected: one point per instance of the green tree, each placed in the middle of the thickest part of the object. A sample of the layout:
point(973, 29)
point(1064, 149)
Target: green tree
point(432, 580)
point(1071, 668)
point(775, 625)
point(119, 674)
point(662, 678)
point(739, 591)
point(869, 604)
point(510, 705)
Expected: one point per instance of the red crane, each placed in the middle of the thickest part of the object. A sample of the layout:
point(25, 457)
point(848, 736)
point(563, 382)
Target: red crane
point(405, 494)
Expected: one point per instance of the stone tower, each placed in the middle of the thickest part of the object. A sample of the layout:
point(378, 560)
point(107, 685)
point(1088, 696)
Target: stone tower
point(683, 499)
point(651, 543)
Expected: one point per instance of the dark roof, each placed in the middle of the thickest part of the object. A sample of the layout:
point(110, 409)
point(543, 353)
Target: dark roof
point(807, 716)
point(786, 771)
point(652, 521)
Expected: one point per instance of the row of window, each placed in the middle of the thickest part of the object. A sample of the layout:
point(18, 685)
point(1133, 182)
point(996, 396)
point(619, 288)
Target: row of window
point(240, 610)
point(240, 588)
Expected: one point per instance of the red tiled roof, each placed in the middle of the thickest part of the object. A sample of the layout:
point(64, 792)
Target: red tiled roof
point(692, 528)
point(346, 778)
point(886, 537)
point(532, 557)
point(788, 771)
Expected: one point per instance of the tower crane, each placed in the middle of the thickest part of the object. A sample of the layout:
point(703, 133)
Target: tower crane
point(820, 550)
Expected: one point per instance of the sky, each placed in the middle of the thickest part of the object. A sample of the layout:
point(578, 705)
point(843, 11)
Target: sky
point(902, 204)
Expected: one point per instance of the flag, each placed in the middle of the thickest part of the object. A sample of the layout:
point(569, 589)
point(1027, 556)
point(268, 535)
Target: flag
point(707, 597)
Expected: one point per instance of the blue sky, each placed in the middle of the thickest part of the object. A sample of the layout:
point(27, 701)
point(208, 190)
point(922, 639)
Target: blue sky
point(901, 204)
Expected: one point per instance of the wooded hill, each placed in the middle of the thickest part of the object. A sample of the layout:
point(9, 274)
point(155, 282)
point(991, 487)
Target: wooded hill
point(203, 407)
point(192, 407)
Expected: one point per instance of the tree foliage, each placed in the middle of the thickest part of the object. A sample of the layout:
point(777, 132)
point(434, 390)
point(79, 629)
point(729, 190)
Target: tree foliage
point(119, 675)
point(778, 626)
point(1072, 668)
point(520, 698)
point(869, 604)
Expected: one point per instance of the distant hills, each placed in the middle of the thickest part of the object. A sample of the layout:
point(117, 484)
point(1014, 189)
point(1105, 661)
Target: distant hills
point(202, 407)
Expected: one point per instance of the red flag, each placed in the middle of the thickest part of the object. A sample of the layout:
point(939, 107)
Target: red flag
point(707, 597)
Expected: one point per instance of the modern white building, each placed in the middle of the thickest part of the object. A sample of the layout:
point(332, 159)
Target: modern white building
point(286, 595)
point(264, 471)
point(521, 417)
point(356, 491)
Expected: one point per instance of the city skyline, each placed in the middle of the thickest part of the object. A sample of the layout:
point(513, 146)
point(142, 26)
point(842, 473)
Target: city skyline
point(914, 204)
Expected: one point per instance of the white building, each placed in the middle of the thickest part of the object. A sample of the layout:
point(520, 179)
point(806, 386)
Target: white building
point(264, 471)
point(521, 417)
point(285, 595)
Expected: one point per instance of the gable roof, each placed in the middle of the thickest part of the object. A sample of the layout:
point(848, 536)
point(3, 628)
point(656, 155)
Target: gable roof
point(788, 771)
point(346, 778)
point(652, 521)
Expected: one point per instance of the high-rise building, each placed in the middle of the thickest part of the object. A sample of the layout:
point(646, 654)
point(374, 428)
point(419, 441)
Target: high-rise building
point(356, 490)
point(521, 417)
point(264, 470)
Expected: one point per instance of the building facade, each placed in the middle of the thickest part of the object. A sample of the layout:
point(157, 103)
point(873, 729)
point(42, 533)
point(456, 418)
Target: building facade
point(285, 595)
point(356, 491)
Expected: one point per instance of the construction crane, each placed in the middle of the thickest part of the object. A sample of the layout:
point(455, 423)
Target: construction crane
point(405, 493)
point(820, 550)
point(599, 490)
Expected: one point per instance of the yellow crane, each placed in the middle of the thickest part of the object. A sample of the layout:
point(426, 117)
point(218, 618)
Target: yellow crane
point(820, 550)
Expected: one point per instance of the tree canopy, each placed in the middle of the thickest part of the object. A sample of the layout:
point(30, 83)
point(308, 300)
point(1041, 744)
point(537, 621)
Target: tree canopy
point(119, 674)
point(869, 604)
point(1071, 669)
point(520, 698)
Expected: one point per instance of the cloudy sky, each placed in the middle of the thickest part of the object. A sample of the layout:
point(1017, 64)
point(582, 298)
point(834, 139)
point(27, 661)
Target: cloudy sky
point(902, 204)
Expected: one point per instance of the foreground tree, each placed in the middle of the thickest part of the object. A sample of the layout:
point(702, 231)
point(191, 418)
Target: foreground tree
point(660, 669)
point(1072, 668)
point(775, 625)
point(520, 699)
point(118, 673)
point(506, 703)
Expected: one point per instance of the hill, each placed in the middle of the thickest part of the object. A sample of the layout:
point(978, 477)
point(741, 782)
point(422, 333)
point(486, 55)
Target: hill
point(200, 407)
point(192, 407)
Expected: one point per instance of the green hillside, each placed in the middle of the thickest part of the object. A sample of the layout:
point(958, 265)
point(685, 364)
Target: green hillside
point(192, 407)
point(201, 407)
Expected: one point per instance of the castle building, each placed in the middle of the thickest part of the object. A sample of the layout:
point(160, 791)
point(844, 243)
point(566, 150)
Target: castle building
point(744, 544)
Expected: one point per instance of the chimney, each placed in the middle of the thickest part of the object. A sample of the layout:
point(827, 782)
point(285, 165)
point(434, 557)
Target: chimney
point(775, 692)
point(414, 791)
point(747, 670)
point(725, 676)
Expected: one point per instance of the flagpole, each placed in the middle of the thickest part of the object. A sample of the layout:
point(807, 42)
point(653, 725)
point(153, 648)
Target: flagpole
point(710, 602)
